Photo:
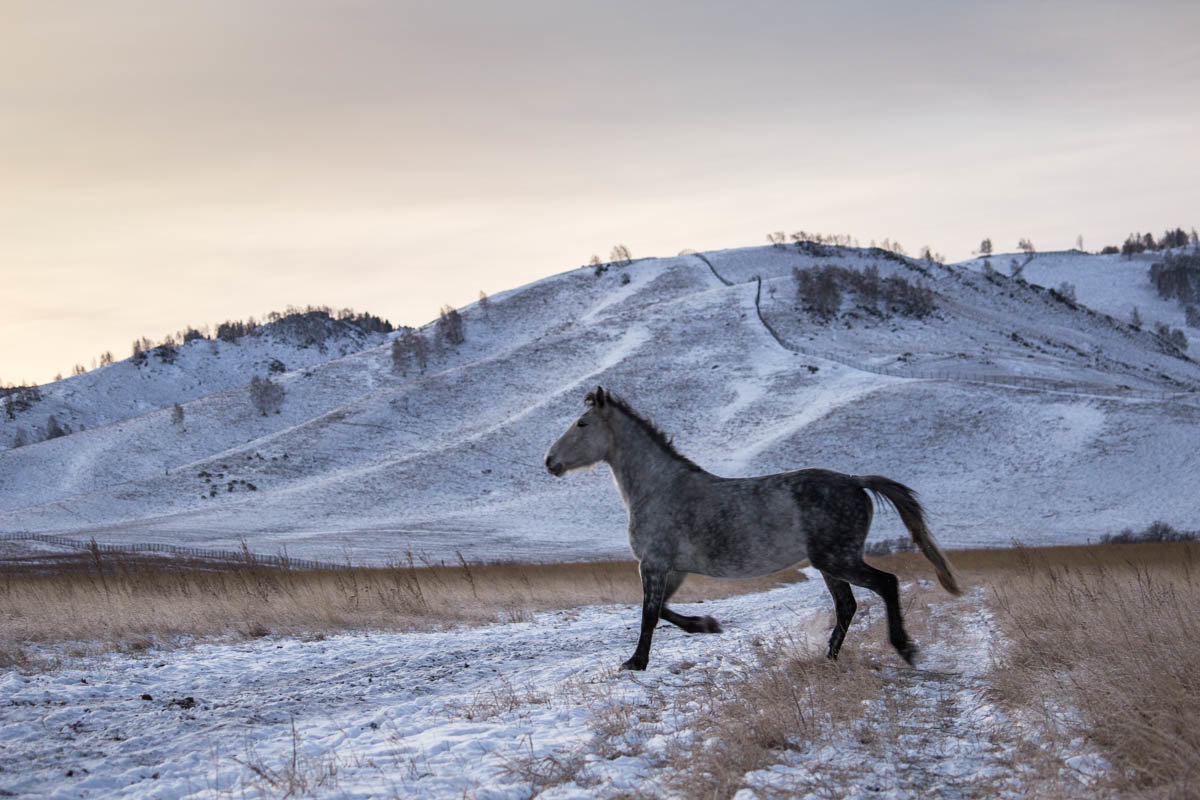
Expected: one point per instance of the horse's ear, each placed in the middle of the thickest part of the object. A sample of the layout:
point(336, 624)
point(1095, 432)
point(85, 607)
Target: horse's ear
point(599, 396)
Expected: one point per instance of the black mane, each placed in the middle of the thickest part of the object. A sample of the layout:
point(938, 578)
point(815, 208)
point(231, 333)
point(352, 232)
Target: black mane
point(655, 433)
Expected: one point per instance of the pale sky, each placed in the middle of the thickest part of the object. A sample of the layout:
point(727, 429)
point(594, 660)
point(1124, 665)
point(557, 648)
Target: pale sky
point(165, 164)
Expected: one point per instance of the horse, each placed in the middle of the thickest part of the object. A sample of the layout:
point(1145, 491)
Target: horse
point(683, 519)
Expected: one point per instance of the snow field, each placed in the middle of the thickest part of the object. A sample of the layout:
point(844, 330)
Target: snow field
point(500, 712)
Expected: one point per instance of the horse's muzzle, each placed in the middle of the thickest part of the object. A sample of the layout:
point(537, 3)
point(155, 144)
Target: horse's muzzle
point(554, 467)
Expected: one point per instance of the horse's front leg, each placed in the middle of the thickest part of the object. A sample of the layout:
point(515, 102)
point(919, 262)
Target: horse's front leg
point(689, 624)
point(654, 584)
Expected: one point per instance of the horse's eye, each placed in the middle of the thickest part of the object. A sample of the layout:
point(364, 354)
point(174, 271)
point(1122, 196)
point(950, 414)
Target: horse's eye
point(581, 424)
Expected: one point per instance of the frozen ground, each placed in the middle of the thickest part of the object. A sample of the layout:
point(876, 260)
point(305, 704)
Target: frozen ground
point(465, 713)
point(1014, 414)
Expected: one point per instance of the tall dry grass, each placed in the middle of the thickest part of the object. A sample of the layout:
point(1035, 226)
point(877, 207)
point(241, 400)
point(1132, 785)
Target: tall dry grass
point(1104, 645)
point(110, 602)
point(1100, 643)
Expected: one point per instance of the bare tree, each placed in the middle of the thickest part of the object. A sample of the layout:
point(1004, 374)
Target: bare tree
point(420, 352)
point(485, 304)
point(54, 430)
point(817, 288)
point(778, 239)
point(266, 395)
point(985, 247)
point(450, 327)
point(106, 358)
point(177, 414)
point(400, 356)
point(1017, 267)
point(1135, 318)
point(408, 350)
point(621, 254)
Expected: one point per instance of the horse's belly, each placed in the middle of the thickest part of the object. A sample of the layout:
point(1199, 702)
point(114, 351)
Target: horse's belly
point(749, 557)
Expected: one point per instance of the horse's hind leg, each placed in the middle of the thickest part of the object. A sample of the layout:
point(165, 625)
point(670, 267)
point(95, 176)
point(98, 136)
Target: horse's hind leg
point(886, 586)
point(843, 601)
point(689, 624)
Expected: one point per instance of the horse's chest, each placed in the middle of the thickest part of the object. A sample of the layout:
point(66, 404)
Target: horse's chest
point(643, 543)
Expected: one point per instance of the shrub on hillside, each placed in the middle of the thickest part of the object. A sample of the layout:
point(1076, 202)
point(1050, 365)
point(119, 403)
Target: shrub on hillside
point(621, 255)
point(408, 351)
point(866, 286)
point(19, 398)
point(907, 299)
point(1177, 276)
point(231, 331)
point(1157, 531)
point(1173, 335)
point(265, 395)
point(449, 327)
point(367, 323)
point(819, 290)
point(54, 429)
point(166, 353)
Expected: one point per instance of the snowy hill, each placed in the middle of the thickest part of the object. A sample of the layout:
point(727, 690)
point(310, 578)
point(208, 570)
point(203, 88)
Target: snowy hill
point(1013, 411)
point(162, 376)
point(1111, 284)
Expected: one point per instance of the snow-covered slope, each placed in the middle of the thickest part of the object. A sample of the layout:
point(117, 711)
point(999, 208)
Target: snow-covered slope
point(165, 375)
point(1110, 284)
point(1013, 413)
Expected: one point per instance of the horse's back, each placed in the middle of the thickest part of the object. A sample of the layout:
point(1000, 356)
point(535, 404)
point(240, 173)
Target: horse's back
point(738, 527)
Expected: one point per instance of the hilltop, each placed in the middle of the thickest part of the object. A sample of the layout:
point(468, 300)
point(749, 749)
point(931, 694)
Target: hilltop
point(1016, 412)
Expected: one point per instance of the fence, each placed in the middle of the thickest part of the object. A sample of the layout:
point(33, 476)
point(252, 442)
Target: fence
point(209, 554)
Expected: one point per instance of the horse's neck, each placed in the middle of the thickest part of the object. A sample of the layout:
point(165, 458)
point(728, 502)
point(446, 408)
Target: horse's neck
point(642, 467)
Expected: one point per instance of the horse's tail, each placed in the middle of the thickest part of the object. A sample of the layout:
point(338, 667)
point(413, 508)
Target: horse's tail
point(913, 516)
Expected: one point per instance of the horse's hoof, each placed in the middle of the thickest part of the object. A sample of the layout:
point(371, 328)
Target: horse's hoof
point(634, 664)
point(709, 625)
point(909, 654)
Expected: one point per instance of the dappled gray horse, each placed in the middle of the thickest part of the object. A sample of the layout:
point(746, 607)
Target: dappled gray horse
point(683, 519)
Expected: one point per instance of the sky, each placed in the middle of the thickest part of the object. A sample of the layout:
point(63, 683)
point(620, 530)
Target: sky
point(172, 163)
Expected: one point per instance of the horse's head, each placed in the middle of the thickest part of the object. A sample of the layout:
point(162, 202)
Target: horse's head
point(587, 441)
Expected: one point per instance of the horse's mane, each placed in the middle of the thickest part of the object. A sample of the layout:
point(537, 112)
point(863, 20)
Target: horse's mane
point(656, 434)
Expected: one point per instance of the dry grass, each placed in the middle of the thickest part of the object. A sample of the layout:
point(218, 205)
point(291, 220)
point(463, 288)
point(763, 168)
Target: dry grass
point(109, 602)
point(779, 703)
point(1111, 631)
point(1105, 646)
point(791, 698)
